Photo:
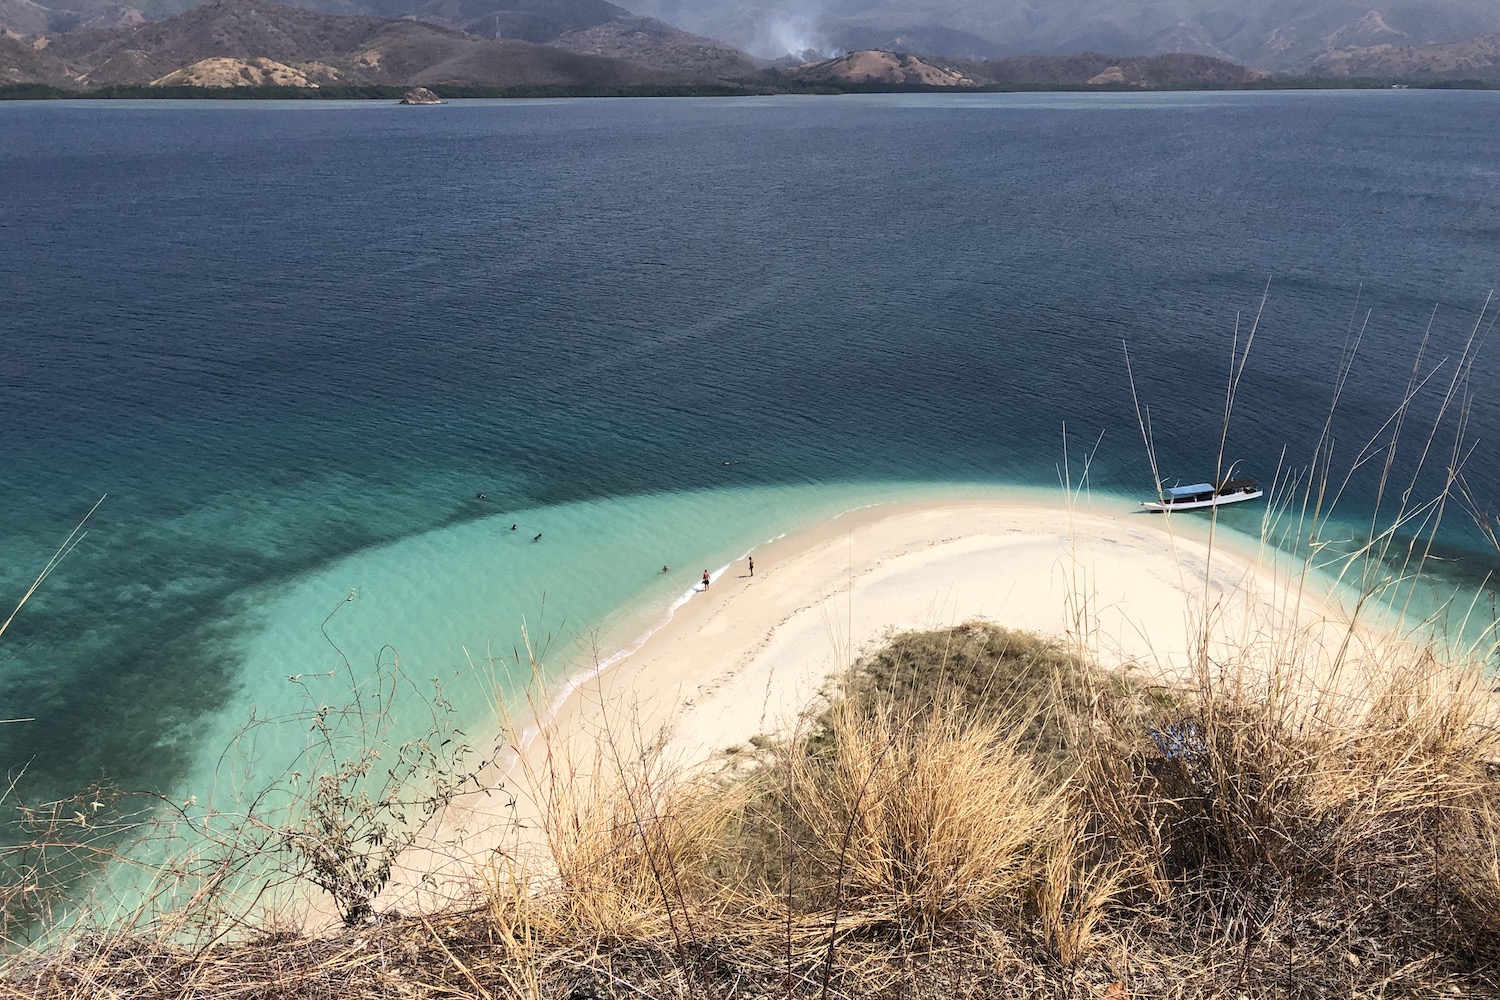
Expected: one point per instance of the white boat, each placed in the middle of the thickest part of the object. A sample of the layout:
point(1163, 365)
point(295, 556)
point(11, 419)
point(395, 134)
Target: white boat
point(1205, 495)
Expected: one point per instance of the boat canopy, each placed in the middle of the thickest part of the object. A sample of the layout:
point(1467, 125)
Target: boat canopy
point(1189, 491)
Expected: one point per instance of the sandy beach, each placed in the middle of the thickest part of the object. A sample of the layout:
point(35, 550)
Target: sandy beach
point(750, 654)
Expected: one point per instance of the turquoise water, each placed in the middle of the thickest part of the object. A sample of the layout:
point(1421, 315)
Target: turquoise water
point(292, 343)
point(461, 604)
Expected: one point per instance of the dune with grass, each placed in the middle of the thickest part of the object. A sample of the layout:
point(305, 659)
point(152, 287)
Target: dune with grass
point(961, 749)
point(1015, 749)
point(751, 656)
point(965, 748)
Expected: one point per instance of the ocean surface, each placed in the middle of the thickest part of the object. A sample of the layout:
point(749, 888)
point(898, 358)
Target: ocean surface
point(294, 341)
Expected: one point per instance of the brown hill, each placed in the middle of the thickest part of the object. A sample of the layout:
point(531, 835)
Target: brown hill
point(536, 21)
point(874, 66)
point(1280, 35)
point(1475, 59)
point(651, 43)
point(222, 71)
point(24, 17)
point(928, 38)
point(28, 17)
point(323, 48)
point(25, 61)
point(1172, 70)
point(1088, 68)
point(584, 27)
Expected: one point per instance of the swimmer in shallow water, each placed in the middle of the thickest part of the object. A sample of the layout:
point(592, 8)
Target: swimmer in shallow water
point(538, 537)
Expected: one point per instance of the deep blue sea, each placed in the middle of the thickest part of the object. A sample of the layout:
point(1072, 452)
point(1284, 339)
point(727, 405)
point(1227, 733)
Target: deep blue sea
point(292, 342)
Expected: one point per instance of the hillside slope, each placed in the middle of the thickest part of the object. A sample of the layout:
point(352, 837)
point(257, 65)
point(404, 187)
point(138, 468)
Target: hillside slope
point(1170, 70)
point(651, 43)
point(699, 37)
point(1084, 69)
point(1279, 35)
point(1473, 59)
point(22, 62)
point(585, 27)
point(24, 17)
point(874, 66)
point(237, 41)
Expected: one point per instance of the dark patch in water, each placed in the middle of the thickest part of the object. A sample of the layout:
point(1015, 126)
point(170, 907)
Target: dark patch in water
point(274, 363)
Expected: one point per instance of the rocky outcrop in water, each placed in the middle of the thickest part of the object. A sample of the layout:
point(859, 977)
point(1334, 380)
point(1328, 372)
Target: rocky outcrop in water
point(421, 95)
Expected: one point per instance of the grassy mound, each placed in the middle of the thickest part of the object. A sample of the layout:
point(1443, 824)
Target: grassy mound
point(979, 813)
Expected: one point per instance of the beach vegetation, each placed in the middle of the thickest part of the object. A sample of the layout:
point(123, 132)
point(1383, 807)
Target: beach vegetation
point(136, 864)
point(1303, 808)
point(976, 812)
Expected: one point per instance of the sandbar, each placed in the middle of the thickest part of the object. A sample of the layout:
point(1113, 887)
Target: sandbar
point(750, 654)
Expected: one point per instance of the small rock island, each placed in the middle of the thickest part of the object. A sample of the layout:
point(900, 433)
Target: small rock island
point(421, 95)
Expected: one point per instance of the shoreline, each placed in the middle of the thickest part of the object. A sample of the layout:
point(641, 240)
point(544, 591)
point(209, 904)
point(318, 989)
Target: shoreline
point(1193, 527)
point(748, 657)
point(558, 693)
point(387, 93)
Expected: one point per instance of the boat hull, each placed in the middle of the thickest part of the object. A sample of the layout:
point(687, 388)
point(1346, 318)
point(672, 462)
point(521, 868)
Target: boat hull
point(1157, 506)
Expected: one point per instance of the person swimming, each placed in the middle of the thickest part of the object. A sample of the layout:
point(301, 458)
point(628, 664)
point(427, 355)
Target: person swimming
point(538, 537)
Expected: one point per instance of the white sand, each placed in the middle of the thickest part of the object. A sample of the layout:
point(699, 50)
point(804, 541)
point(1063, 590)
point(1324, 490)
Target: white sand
point(750, 654)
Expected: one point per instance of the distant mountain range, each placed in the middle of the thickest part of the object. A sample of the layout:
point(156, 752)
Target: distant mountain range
point(583, 27)
point(1286, 36)
point(1085, 69)
point(590, 43)
point(525, 20)
point(227, 43)
point(230, 42)
point(1472, 59)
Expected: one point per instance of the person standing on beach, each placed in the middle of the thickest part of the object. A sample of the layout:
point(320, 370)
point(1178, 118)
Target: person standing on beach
point(705, 579)
point(752, 565)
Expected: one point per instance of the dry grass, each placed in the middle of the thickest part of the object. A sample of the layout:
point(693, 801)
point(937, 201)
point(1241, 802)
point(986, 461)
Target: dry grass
point(915, 821)
point(1307, 827)
point(979, 814)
